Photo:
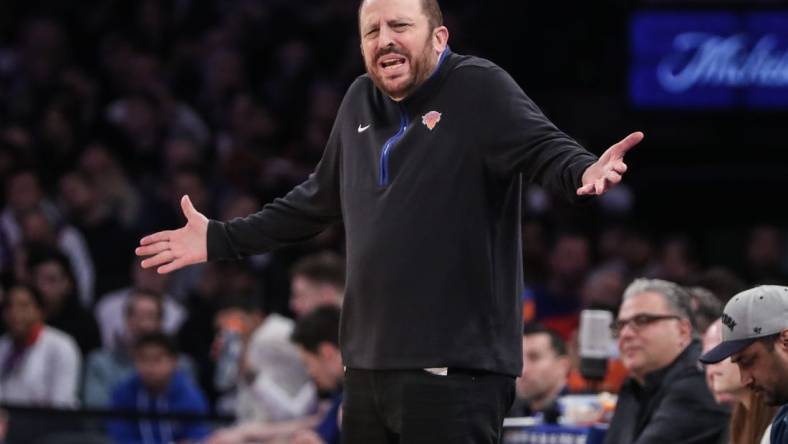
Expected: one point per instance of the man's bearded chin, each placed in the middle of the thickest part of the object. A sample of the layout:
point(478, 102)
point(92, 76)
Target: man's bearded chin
point(420, 69)
point(778, 397)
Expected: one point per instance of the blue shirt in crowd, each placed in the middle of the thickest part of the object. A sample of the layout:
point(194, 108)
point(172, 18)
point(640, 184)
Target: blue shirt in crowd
point(181, 396)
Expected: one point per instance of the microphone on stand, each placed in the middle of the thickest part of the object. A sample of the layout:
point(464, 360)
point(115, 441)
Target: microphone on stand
point(595, 340)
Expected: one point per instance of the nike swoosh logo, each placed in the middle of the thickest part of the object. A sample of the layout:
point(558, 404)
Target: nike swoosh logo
point(361, 129)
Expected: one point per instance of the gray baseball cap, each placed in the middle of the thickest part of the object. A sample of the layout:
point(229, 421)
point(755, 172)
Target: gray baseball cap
point(752, 314)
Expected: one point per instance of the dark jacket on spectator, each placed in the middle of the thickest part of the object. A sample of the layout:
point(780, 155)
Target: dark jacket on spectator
point(549, 414)
point(79, 323)
point(779, 433)
point(673, 406)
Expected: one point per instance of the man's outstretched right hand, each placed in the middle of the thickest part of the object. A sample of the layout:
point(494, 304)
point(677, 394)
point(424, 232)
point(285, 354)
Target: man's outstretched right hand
point(170, 250)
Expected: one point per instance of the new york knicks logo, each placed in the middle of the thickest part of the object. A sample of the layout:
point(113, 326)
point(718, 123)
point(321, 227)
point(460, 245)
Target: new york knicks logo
point(431, 119)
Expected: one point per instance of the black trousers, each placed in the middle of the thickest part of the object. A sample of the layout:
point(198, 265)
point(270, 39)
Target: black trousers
point(414, 406)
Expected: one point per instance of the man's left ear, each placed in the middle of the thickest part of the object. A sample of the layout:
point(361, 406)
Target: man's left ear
point(783, 339)
point(440, 38)
point(686, 329)
point(565, 364)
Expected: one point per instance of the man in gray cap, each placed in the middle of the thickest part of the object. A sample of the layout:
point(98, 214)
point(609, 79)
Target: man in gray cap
point(755, 336)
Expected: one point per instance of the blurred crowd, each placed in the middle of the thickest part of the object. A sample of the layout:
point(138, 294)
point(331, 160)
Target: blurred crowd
point(110, 111)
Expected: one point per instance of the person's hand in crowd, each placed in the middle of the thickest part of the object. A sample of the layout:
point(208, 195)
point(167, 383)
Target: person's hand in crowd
point(233, 435)
point(170, 250)
point(606, 172)
point(307, 437)
point(282, 432)
point(239, 434)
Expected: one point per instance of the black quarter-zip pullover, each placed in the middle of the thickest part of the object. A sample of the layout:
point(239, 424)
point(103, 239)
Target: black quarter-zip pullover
point(429, 189)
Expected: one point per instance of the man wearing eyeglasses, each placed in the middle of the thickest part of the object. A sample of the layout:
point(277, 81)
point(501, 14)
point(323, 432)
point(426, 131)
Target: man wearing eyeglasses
point(665, 399)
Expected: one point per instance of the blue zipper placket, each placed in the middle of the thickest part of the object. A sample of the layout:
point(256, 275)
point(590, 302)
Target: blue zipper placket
point(403, 125)
point(384, 155)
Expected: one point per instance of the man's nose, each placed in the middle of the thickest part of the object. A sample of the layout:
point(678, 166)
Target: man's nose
point(746, 378)
point(385, 37)
point(627, 331)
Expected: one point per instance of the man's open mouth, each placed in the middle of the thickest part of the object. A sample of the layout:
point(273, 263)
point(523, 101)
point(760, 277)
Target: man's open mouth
point(392, 61)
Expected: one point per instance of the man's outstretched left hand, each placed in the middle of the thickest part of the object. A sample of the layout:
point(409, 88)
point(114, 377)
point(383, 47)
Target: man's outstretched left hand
point(606, 172)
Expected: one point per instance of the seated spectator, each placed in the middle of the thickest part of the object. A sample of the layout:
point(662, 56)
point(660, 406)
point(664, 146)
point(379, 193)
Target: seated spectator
point(233, 326)
point(317, 337)
point(677, 260)
point(100, 162)
point(30, 216)
point(601, 290)
point(197, 333)
point(39, 365)
point(38, 227)
point(755, 337)
point(51, 274)
point(721, 282)
point(665, 399)
point(157, 386)
point(706, 307)
point(190, 181)
point(751, 418)
point(110, 243)
point(764, 253)
point(557, 301)
point(318, 279)
point(275, 385)
point(109, 310)
point(545, 369)
point(105, 368)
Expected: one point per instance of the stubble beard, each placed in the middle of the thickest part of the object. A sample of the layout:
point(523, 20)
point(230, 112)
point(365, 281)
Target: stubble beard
point(777, 394)
point(420, 69)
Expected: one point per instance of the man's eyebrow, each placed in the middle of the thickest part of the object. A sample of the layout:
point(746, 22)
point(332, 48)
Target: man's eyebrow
point(735, 358)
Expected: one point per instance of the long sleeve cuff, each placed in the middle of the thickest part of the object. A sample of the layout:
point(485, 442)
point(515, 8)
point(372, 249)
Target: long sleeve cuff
point(219, 245)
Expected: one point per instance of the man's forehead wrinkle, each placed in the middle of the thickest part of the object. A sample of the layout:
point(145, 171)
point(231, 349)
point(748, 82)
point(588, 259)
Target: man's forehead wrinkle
point(376, 19)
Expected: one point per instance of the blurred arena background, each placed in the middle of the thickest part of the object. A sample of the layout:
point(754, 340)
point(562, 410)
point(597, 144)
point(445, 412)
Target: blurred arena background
point(110, 111)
